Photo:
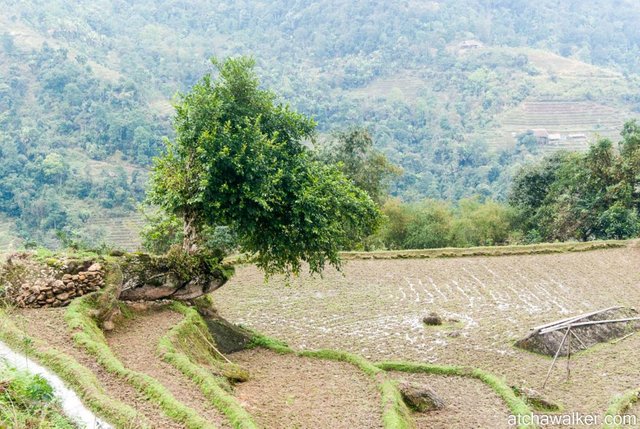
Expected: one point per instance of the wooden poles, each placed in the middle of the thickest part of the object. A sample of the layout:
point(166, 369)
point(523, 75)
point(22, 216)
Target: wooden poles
point(592, 322)
point(555, 358)
point(571, 323)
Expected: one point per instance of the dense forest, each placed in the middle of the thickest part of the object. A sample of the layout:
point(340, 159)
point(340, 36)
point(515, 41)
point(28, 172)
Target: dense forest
point(85, 88)
point(566, 196)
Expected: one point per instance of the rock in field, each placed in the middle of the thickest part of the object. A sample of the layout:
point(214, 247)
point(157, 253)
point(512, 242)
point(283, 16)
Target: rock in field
point(420, 398)
point(432, 319)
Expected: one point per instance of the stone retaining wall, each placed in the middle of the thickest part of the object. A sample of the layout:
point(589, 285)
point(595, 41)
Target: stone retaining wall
point(37, 285)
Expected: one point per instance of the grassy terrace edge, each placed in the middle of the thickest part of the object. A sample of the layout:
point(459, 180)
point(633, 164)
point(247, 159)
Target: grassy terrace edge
point(208, 384)
point(515, 404)
point(456, 252)
point(77, 376)
point(621, 404)
point(89, 336)
point(460, 252)
point(395, 414)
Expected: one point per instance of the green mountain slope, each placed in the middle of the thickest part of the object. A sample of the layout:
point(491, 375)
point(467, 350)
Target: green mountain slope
point(85, 89)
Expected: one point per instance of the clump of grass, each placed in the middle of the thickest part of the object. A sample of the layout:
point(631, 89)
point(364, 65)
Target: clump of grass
point(53, 258)
point(395, 414)
point(27, 401)
point(191, 336)
point(621, 404)
point(88, 335)
point(77, 376)
point(516, 405)
point(424, 367)
point(192, 329)
point(537, 404)
point(259, 340)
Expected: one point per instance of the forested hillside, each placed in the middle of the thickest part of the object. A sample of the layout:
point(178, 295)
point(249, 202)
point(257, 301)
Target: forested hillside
point(444, 87)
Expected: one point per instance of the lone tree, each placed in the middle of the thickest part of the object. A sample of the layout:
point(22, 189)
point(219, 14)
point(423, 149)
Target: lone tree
point(239, 160)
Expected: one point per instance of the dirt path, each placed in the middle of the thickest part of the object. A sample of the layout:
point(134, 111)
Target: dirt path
point(48, 325)
point(469, 403)
point(287, 391)
point(135, 342)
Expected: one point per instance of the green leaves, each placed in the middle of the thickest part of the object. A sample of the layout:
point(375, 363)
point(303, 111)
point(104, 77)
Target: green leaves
point(318, 214)
point(583, 196)
point(238, 160)
point(24, 389)
point(356, 157)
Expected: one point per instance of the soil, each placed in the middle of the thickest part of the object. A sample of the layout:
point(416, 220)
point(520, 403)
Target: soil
point(135, 342)
point(287, 391)
point(48, 325)
point(375, 309)
point(469, 403)
point(633, 414)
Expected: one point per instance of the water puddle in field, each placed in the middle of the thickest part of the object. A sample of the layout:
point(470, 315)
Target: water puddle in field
point(69, 401)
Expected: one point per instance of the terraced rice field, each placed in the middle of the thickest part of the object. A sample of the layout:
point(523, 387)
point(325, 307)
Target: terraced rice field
point(375, 309)
point(292, 391)
point(406, 86)
point(561, 117)
point(49, 327)
point(135, 343)
point(283, 390)
point(121, 232)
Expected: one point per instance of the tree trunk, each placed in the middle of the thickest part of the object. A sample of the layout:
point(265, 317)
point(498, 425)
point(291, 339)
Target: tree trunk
point(191, 233)
point(171, 276)
point(170, 289)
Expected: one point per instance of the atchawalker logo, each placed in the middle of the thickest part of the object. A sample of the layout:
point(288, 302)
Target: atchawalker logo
point(573, 420)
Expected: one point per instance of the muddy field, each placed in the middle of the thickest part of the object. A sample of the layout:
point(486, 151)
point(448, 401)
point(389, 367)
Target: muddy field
point(287, 391)
point(283, 391)
point(135, 343)
point(375, 309)
point(48, 326)
point(468, 403)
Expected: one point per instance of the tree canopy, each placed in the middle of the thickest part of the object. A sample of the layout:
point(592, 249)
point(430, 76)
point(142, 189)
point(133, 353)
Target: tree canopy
point(595, 195)
point(438, 85)
point(354, 153)
point(240, 159)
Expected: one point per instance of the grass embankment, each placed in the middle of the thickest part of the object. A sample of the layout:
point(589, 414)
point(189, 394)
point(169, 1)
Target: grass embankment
point(27, 401)
point(395, 414)
point(77, 376)
point(88, 335)
point(459, 252)
point(516, 405)
point(198, 347)
point(621, 404)
point(455, 252)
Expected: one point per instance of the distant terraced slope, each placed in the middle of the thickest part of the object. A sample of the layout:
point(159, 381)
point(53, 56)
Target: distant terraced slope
point(120, 232)
point(565, 118)
point(117, 232)
point(567, 97)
